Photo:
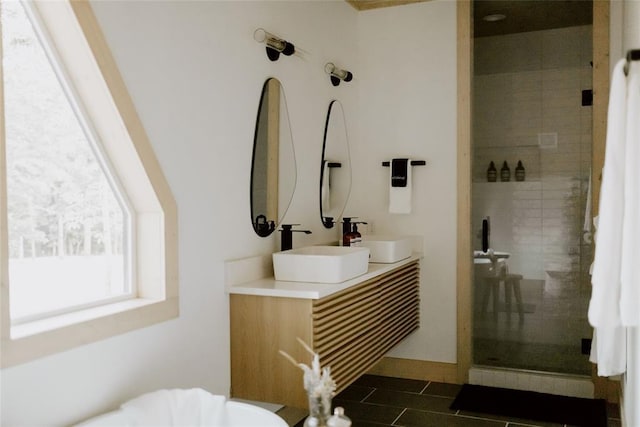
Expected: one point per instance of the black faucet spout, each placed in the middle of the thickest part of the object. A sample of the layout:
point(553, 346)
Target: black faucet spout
point(486, 234)
point(286, 236)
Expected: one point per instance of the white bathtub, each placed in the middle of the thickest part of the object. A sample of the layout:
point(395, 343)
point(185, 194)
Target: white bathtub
point(193, 407)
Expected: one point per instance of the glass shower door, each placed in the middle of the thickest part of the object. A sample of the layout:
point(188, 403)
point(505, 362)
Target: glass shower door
point(530, 304)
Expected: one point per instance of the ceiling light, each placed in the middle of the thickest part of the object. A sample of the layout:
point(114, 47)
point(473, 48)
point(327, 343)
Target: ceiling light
point(494, 17)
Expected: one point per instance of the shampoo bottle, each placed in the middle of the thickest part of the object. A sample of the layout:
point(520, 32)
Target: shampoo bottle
point(505, 172)
point(492, 173)
point(520, 171)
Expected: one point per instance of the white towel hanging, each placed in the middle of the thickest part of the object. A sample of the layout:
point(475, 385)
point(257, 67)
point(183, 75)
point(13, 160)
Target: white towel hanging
point(630, 266)
point(609, 350)
point(604, 308)
point(400, 196)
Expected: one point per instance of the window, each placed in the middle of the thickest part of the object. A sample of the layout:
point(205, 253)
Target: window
point(67, 220)
point(87, 221)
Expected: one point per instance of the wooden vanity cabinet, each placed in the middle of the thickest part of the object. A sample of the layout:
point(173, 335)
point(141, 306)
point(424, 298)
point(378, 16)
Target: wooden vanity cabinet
point(351, 330)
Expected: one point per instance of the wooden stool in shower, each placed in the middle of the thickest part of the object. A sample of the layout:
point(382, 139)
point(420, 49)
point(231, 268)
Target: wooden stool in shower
point(511, 282)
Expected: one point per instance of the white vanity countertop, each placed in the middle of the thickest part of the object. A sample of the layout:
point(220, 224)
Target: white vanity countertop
point(268, 286)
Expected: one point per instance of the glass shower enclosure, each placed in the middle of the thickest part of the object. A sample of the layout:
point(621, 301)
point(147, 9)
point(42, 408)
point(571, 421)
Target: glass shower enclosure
point(532, 119)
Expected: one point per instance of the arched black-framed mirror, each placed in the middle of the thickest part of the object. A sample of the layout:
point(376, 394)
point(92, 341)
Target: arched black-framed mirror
point(273, 166)
point(335, 169)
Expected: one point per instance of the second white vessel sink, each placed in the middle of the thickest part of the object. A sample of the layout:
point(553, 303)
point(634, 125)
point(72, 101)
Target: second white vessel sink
point(320, 264)
point(387, 249)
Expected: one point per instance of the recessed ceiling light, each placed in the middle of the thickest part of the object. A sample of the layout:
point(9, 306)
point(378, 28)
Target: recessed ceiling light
point(494, 17)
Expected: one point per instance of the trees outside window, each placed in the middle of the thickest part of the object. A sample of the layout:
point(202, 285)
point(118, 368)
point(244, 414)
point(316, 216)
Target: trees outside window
point(67, 224)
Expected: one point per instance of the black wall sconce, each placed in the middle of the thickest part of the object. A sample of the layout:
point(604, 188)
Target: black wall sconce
point(274, 44)
point(336, 74)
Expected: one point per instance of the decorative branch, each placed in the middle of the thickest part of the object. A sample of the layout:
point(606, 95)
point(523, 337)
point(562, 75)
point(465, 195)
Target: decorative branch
point(317, 381)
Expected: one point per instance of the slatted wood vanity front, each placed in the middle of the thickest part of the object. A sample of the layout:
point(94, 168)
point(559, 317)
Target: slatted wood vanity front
point(351, 329)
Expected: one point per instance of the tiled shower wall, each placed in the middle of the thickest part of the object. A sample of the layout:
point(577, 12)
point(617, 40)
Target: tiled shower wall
point(524, 85)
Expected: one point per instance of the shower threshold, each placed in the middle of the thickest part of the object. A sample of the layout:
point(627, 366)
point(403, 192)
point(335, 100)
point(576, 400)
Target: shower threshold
point(543, 382)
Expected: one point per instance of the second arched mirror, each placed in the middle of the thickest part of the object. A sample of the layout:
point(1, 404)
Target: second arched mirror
point(273, 167)
point(335, 171)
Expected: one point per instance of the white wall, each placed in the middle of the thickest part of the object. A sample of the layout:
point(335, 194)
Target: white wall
point(631, 25)
point(407, 83)
point(195, 75)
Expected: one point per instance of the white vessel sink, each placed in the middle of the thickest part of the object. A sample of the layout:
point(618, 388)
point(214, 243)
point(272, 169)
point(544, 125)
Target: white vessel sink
point(387, 249)
point(320, 264)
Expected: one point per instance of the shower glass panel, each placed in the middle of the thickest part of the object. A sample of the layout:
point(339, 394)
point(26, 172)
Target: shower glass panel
point(530, 303)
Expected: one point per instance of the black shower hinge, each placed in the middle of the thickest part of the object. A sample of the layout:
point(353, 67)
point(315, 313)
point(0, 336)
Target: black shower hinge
point(587, 97)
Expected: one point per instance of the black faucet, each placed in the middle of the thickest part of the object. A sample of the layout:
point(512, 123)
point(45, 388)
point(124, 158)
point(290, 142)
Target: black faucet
point(486, 234)
point(286, 238)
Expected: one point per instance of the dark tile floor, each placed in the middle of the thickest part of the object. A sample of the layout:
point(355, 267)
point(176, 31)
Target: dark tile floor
point(374, 401)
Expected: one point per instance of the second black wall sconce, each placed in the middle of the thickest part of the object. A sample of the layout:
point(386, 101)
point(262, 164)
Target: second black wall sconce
point(336, 74)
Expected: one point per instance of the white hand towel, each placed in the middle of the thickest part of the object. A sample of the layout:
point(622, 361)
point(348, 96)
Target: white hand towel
point(630, 275)
point(604, 309)
point(400, 197)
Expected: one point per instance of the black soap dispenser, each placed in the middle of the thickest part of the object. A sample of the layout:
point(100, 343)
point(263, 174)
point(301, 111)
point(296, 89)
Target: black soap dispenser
point(346, 230)
point(519, 171)
point(492, 173)
point(505, 172)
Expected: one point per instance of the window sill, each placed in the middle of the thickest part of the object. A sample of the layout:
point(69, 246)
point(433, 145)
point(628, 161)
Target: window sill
point(33, 340)
point(56, 322)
